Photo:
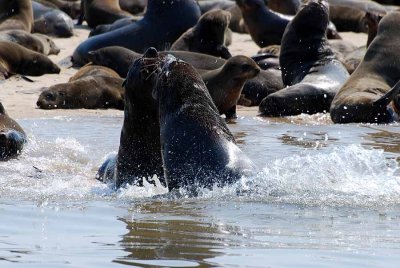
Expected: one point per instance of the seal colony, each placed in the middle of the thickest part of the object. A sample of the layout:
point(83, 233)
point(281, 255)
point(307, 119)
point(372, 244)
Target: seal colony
point(176, 81)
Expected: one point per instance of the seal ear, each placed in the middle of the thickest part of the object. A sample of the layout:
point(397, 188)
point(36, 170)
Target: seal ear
point(2, 110)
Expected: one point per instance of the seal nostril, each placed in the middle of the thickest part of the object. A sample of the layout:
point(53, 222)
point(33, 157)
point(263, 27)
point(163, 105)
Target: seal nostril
point(151, 52)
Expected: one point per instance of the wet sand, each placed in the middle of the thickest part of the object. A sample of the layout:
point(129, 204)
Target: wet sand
point(19, 96)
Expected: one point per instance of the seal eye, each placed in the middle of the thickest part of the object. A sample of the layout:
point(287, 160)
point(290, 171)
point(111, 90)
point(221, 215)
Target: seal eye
point(246, 67)
point(49, 96)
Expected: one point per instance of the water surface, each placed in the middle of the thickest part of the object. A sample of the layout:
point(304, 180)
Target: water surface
point(325, 196)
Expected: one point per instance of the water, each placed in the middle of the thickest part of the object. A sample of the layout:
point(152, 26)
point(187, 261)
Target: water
point(326, 196)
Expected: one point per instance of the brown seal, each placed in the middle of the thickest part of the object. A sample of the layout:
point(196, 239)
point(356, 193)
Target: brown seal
point(198, 149)
point(310, 69)
point(16, 15)
point(15, 59)
point(98, 12)
point(207, 36)
point(225, 84)
point(36, 42)
point(370, 92)
point(12, 136)
point(93, 87)
point(139, 154)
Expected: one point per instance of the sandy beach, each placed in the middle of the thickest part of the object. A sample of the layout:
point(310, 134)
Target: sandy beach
point(19, 96)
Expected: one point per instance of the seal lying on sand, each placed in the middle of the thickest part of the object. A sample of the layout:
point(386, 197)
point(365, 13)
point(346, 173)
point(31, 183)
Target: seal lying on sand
point(16, 15)
point(207, 36)
point(162, 24)
point(51, 21)
point(36, 42)
point(12, 136)
point(309, 66)
point(139, 153)
point(15, 59)
point(197, 147)
point(93, 87)
point(371, 94)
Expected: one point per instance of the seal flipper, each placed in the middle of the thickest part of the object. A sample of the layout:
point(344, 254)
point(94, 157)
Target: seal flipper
point(389, 96)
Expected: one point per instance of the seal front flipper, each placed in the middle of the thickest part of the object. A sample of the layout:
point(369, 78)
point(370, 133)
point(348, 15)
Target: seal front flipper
point(389, 96)
point(393, 96)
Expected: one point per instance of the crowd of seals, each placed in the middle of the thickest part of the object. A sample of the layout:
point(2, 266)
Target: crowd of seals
point(167, 65)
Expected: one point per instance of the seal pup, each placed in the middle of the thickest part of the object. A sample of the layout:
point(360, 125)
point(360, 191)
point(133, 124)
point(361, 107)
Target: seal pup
point(51, 21)
point(92, 87)
point(104, 28)
point(310, 68)
point(15, 59)
point(225, 84)
point(207, 36)
point(98, 12)
point(12, 136)
point(371, 93)
point(139, 153)
point(36, 42)
point(16, 15)
point(198, 150)
point(163, 23)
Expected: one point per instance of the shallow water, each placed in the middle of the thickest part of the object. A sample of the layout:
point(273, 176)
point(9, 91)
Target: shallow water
point(326, 196)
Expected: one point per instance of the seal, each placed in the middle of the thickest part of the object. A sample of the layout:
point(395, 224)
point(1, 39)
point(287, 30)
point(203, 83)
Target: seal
point(370, 95)
point(208, 5)
point(51, 21)
point(36, 42)
point(310, 68)
point(102, 12)
point(198, 150)
point(89, 92)
point(162, 24)
point(225, 84)
point(15, 59)
point(16, 15)
point(12, 136)
point(207, 36)
point(139, 154)
point(265, 27)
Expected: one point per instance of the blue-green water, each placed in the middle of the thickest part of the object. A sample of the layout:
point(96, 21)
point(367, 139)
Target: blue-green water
point(326, 196)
